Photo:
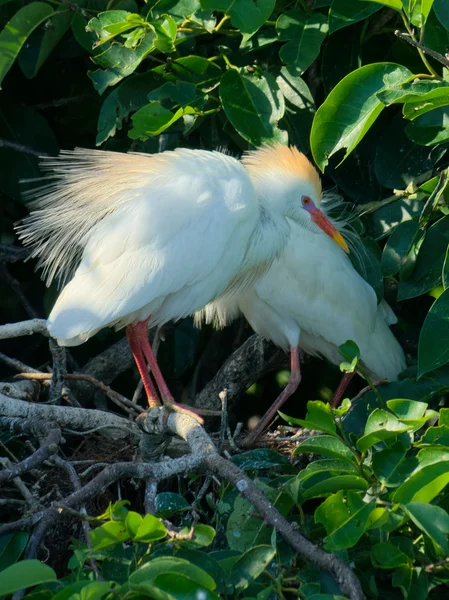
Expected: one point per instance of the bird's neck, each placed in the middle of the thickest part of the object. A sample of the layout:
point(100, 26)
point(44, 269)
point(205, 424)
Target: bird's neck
point(269, 238)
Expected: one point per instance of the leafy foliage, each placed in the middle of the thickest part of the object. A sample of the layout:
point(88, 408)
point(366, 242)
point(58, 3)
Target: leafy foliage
point(329, 76)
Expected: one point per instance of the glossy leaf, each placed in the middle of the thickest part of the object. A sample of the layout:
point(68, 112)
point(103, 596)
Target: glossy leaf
point(318, 418)
point(253, 104)
point(179, 587)
point(430, 128)
point(305, 34)
point(396, 4)
point(168, 503)
point(387, 465)
point(433, 348)
point(246, 15)
point(299, 107)
point(432, 520)
point(344, 517)
point(442, 13)
point(152, 119)
point(387, 556)
point(150, 530)
point(381, 425)
point(400, 246)
point(250, 565)
point(39, 47)
point(118, 62)
point(173, 566)
point(260, 458)
point(111, 23)
point(427, 273)
point(424, 484)
point(346, 12)
point(11, 548)
point(24, 574)
point(109, 534)
point(326, 445)
point(351, 108)
point(417, 11)
point(17, 30)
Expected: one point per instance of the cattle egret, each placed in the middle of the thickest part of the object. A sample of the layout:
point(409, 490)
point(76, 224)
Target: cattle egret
point(313, 299)
point(145, 239)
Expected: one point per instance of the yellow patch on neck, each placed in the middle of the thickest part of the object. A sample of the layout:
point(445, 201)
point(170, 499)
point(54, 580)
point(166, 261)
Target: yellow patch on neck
point(287, 160)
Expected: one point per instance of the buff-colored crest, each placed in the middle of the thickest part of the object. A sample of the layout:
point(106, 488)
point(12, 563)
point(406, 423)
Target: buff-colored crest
point(284, 159)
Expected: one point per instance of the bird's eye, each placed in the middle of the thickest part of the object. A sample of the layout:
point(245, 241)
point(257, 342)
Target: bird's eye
point(306, 200)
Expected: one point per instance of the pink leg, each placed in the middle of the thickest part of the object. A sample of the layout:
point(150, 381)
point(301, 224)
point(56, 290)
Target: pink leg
point(345, 380)
point(150, 390)
point(141, 331)
point(290, 388)
point(142, 336)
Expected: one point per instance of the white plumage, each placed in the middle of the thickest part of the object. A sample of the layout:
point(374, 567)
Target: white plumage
point(157, 237)
point(312, 297)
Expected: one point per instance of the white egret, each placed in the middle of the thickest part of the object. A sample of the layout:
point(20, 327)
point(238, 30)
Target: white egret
point(153, 238)
point(312, 298)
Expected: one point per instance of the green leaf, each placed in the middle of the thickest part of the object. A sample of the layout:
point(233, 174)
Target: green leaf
point(387, 465)
point(329, 482)
point(132, 523)
point(381, 425)
point(319, 417)
point(432, 520)
point(39, 47)
point(94, 590)
point(128, 97)
point(344, 516)
point(24, 574)
point(424, 483)
point(11, 548)
point(180, 93)
point(396, 4)
point(346, 12)
point(427, 273)
point(416, 91)
point(246, 15)
point(260, 458)
point(435, 436)
point(430, 128)
point(409, 411)
point(305, 34)
point(250, 565)
point(15, 33)
point(168, 503)
point(326, 445)
point(253, 104)
point(442, 13)
point(387, 556)
point(195, 69)
point(399, 162)
point(434, 99)
point(412, 582)
point(299, 107)
point(351, 108)
point(417, 11)
point(150, 530)
point(181, 587)
point(208, 563)
point(109, 534)
point(119, 62)
point(152, 119)
point(204, 536)
point(400, 245)
point(175, 567)
point(111, 23)
point(433, 346)
point(166, 30)
point(351, 352)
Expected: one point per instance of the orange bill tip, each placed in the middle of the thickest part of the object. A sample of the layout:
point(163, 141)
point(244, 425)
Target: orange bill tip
point(320, 219)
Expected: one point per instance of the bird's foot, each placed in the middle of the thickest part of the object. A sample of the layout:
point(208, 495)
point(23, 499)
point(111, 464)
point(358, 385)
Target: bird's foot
point(183, 409)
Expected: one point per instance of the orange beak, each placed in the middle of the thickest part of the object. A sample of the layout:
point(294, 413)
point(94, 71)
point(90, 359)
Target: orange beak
point(320, 219)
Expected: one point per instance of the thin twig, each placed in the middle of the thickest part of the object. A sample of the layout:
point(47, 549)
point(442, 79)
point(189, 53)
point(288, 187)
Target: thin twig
point(436, 55)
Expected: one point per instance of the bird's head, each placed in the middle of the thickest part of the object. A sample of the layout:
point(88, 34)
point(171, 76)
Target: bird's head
point(289, 183)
